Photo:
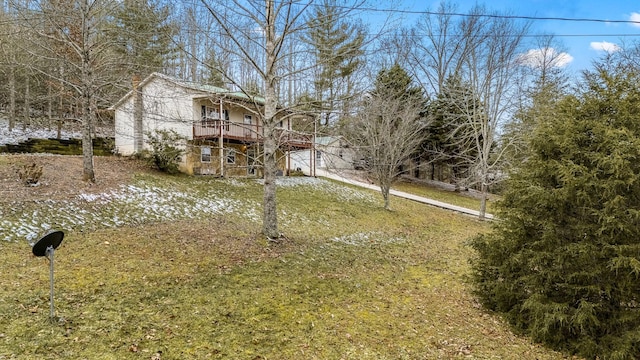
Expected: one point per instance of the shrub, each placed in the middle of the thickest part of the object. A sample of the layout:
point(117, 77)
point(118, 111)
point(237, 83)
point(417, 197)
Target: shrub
point(30, 174)
point(563, 262)
point(165, 151)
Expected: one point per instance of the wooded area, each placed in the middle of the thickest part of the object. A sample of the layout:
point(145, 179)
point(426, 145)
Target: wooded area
point(65, 62)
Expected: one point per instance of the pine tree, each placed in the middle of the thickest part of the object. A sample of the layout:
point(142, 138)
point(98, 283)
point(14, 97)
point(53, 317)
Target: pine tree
point(449, 139)
point(563, 262)
point(337, 48)
point(143, 32)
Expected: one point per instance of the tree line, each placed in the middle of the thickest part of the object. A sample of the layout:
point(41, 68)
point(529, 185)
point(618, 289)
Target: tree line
point(65, 62)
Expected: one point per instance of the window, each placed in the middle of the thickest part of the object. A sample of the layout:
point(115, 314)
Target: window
point(318, 155)
point(231, 156)
point(205, 154)
point(211, 114)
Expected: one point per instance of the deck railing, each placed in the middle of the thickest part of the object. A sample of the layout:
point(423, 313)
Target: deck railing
point(210, 129)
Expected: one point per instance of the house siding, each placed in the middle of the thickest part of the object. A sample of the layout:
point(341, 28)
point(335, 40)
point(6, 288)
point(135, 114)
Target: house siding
point(164, 108)
point(169, 104)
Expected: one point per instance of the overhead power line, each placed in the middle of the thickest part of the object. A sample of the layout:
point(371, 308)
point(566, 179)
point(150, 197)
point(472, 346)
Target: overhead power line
point(497, 16)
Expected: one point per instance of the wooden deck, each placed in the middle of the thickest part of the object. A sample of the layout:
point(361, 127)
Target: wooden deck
point(249, 133)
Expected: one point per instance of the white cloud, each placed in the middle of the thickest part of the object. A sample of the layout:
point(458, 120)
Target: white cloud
point(635, 17)
point(604, 46)
point(545, 57)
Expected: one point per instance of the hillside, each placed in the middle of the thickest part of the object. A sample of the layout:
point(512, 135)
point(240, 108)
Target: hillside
point(174, 268)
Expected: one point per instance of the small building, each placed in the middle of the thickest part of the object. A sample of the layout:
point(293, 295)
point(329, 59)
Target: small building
point(223, 129)
point(331, 153)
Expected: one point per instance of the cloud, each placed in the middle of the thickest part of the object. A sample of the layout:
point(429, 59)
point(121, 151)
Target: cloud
point(604, 46)
point(635, 17)
point(545, 57)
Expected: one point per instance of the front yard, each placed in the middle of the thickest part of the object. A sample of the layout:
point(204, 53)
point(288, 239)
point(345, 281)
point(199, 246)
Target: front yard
point(163, 267)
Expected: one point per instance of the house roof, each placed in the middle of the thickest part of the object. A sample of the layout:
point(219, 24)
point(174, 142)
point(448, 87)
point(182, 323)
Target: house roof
point(205, 89)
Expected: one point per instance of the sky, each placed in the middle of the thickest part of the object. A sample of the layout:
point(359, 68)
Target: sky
point(583, 41)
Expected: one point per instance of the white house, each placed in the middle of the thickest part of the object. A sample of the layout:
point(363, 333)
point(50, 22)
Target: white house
point(331, 153)
point(223, 128)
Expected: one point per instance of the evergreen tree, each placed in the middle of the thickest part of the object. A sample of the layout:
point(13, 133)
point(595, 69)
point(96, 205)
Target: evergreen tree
point(216, 73)
point(563, 262)
point(143, 32)
point(449, 139)
point(337, 47)
point(396, 83)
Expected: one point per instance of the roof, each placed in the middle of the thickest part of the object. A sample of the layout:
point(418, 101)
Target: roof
point(205, 89)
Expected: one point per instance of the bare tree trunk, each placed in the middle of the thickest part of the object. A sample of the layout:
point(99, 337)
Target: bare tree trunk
point(484, 193)
point(88, 108)
point(270, 219)
point(12, 97)
point(384, 189)
point(27, 104)
point(49, 106)
point(87, 144)
point(138, 136)
point(270, 215)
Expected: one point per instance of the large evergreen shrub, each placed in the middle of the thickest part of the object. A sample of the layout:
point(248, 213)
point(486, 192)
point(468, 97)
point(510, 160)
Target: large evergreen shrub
point(563, 261)
point(166, 150)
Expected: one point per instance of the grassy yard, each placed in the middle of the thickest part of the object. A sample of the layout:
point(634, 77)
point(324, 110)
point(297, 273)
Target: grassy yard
point(350, 281)
point(447, 196)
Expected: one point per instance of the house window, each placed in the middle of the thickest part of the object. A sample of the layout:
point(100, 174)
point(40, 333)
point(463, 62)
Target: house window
point(280, 124)
point(205, 154)
point(211, 114)
point(231, 156)
point(318, 155)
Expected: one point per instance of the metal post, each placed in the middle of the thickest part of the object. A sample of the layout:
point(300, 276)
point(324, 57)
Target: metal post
point(50, 251)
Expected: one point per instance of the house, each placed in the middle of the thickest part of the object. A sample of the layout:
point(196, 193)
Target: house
point(331, 152)
point(223, 129)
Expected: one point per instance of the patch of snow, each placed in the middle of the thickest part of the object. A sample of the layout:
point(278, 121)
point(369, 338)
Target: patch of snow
point(129, 205)
point(144, 203)
point(18, 134)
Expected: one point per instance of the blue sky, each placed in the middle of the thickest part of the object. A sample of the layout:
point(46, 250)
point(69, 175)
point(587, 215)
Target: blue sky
point(593, 37)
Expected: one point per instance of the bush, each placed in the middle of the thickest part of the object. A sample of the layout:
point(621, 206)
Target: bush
point(165, 151)
point(30, 174)
point(563, 262)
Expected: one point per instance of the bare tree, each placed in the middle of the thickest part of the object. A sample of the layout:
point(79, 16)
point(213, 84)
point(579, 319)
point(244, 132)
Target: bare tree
point(267, 25)
point(72, 33)
point(389, 127)
point(490, 67)
point(482, 49)
point(263, 36)
point(442, 42)
point(543, 82)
